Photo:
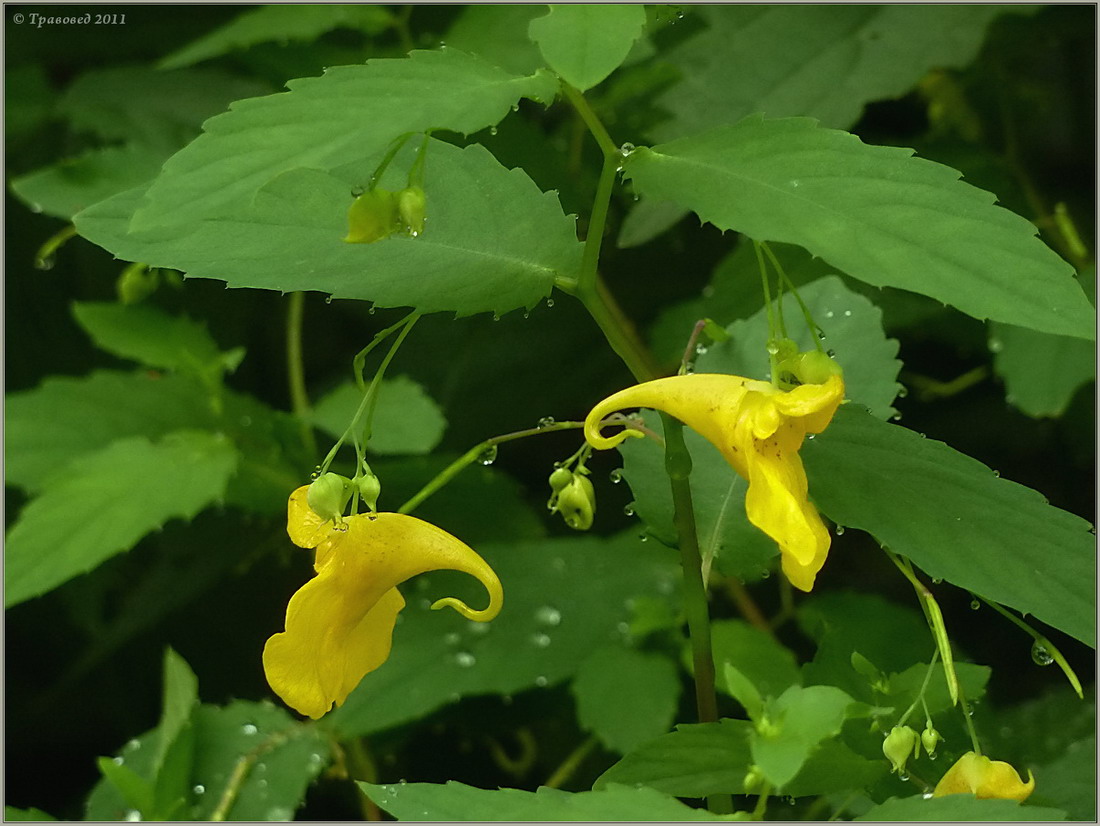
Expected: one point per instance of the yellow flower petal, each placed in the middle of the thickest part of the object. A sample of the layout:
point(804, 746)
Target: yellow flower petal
point(339, 625)
point(759, 430)
point(984, 778)
point(306, 529)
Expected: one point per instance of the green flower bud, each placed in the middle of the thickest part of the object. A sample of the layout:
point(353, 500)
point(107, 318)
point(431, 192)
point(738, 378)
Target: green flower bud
point(328, 495)
point(814, 367)
point(372, 216)
point(136, 283)
point(754, 780)
point(577, 503)
point(898, 745)
point(369, 488)
point(410, 208)
point(930, 738)
point(560, 479)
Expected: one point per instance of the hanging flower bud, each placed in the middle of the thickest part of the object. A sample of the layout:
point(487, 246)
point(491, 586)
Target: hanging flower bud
point(410, 207)
point(372, 216)
point(328, 495)
point(754, 780)
point(930, 738)
point(559, 480)
point(369, 488)
point(898, 745)
point(136, 283)
point(577, 503)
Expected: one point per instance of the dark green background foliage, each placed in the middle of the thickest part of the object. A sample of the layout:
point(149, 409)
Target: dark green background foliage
point(150, 449)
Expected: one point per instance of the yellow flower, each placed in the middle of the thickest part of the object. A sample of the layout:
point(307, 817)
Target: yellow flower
point(339, 625)
point(758, 428)
point(984, 778)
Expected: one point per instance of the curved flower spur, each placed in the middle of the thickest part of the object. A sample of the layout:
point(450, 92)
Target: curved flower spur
point(339, 625)
point(759, 429)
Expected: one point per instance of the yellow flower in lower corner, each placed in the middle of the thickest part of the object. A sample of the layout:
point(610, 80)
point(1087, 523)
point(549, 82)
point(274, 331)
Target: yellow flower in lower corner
point(339, 625)
point(984, 778)
point(759, 429)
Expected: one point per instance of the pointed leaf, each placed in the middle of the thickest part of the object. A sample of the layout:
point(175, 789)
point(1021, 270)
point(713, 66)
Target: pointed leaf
point(493, 241)
point(626, 696)
point(820, 61)
point(1041, 372)
point(800, 719)
point(958, 808)
point(696, 760)
point(457, 801)
point(955, 519)
point(279, 23)
point(406, 419)
point(66, 187)
point(874, 212)
point(349, 115)
point(154, 338)
point(107, 501)
point(584, 43)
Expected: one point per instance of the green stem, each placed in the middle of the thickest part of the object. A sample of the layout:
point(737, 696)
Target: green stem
point(599, 132)
point(43, 259)
point(1040, 640)
point(784, 278)
point(363, 768)
point(600, 305)
point(678, 468)
point(762, 803)
point(471, 455)
point(571, 763)
point(923, 688)
point(968, 718)
point(299, 398)
point(368, 396)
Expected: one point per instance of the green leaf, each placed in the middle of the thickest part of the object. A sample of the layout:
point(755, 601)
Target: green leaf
point(564, 597)
point(278, 756)
point(1069, 782)
point(493, 242)
point(66, 187)
point(1041, 371)
point(155, 338)
point(853, 331)
point(181, 693)
point(891, 636)
point(313, 126)
point(106, 501)
point(134, 789)
point(406, 420)
point(457, 801)
point(767, 664)
point(584, 43)
point(874, 212)
point(725, 533)
point(140, 105)
point(646, 220)
point(799, 720)
point(957, 807)
point(955, 519)
point(626, 696)
point(696, 760)
point(12, 813)
point(825, 62)
point(833, 767)
point(498, 34)
point(281, 24)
